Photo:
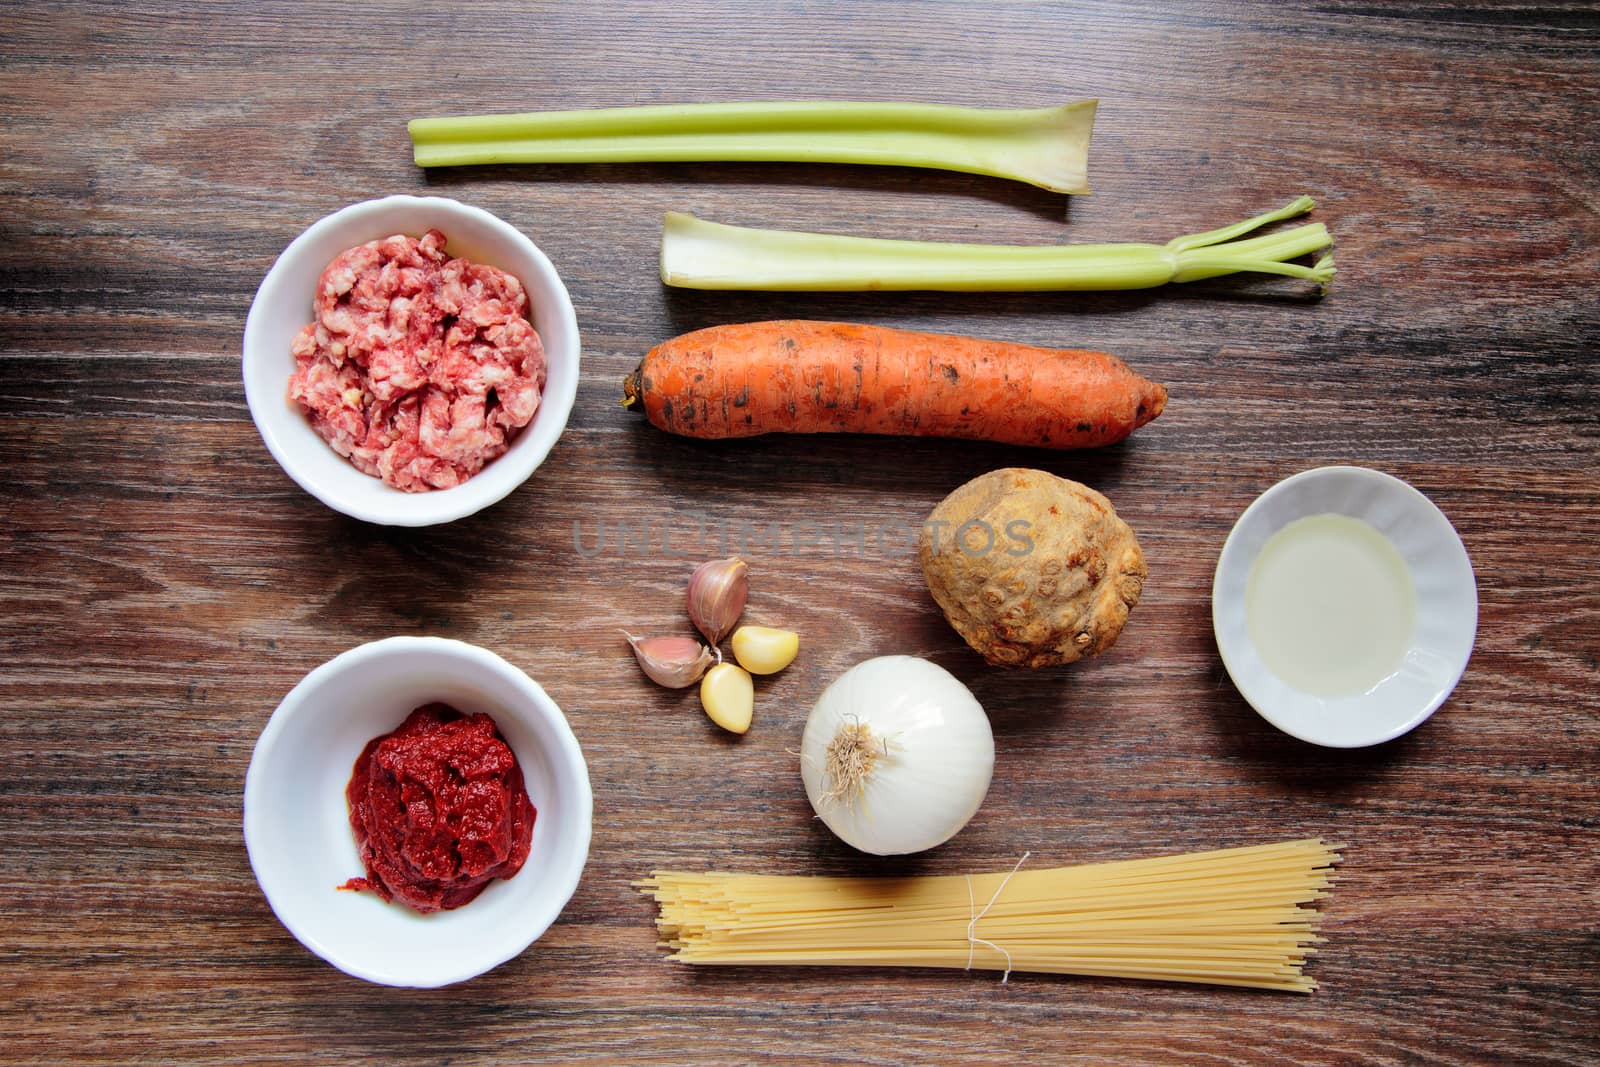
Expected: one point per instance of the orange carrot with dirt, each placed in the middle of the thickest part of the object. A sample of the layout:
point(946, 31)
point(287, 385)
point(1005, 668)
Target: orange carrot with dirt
point(795, 376)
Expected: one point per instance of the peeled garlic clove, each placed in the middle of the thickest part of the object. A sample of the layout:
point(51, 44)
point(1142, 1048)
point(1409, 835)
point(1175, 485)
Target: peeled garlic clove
point(675, 662)
point(717, 592)
point(728, 694)
point(764, 650)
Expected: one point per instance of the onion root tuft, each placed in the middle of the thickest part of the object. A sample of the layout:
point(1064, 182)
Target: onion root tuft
point(849, 759)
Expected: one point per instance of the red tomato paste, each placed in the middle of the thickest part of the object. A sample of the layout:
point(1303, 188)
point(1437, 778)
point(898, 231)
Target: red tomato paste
point(419, 368)
point(439, 810)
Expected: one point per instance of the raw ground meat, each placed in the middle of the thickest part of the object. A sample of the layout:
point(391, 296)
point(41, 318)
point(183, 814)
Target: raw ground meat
point(419, 368)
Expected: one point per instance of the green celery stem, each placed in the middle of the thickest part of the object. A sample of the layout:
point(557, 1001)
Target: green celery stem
point(706, 255)
point(1047, 147)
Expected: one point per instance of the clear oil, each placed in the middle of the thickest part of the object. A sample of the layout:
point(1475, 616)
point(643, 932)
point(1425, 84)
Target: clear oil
point(1330, 605)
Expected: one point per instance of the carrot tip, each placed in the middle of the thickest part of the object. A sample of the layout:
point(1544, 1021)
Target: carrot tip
point(630, 388)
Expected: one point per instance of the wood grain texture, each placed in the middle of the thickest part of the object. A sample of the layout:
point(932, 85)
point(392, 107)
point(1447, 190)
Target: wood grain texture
point(165, 584)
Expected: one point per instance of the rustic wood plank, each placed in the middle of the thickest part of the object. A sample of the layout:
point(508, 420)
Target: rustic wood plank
point(165, 584)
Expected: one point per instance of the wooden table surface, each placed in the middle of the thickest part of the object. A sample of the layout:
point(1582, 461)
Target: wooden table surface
point(165, 584)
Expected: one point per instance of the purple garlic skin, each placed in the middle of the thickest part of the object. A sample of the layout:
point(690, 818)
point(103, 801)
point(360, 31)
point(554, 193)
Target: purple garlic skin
point(717, 592)
point(675, 662)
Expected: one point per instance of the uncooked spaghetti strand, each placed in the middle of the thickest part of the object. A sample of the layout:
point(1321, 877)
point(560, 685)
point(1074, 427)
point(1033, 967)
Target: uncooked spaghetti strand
point(1285, 976)
point(1214, 907)
point(1293, 856)
point(1141, 871)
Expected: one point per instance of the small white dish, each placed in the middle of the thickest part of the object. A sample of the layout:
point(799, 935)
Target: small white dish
point(297, 825)
point(1446, 597)
point(283, 305)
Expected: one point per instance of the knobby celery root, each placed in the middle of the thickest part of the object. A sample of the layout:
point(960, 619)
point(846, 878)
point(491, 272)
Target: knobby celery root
point(1030, 569)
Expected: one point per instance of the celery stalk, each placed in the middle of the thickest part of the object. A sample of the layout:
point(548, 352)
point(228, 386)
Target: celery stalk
point(1047, 147)
point(696, 254)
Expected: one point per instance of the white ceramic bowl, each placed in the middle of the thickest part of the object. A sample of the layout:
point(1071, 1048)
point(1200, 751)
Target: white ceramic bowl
point(297, 826)
point(1446, 607)
point(283, 305)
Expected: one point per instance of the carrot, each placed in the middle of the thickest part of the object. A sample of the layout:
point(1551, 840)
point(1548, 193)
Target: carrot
point(795, 376)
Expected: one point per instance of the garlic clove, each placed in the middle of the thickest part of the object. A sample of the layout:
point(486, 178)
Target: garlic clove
point(728, 694)
point(675, 662)
point(763, 649)
point(717, 592)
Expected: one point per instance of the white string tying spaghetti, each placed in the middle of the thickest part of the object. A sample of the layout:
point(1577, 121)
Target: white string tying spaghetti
point(973, 940)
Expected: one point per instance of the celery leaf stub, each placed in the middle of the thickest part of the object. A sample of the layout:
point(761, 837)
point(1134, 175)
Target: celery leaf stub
point(697, 254)
point(1046, 147)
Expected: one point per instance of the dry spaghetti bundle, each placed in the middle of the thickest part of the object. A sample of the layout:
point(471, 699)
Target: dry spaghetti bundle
point(1238, 916)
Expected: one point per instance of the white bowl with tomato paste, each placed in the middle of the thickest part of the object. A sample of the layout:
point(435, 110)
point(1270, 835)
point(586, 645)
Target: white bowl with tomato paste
point(297, 822)
point(284, 305)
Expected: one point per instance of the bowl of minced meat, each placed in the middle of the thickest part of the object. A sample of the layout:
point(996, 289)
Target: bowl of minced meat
point(411, 360)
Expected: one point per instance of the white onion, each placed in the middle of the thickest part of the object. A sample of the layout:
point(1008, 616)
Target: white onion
point(896, 756)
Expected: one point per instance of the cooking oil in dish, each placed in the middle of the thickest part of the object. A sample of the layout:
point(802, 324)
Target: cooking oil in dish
point(1330, 605)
